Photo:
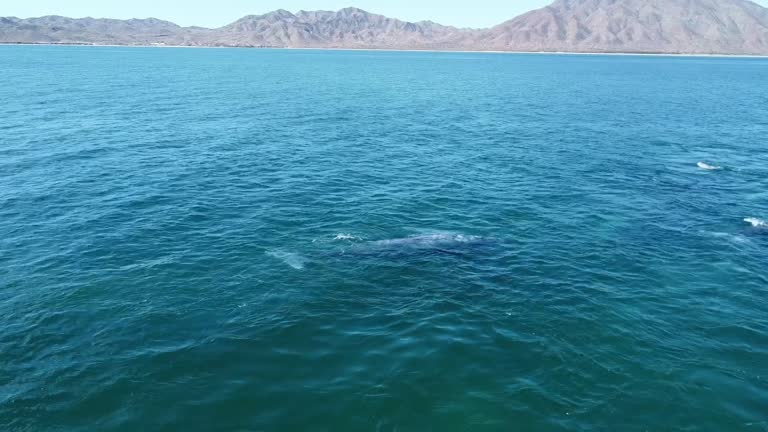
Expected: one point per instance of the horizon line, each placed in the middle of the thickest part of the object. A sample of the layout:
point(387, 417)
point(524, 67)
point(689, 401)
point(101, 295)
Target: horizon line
point(414, 50)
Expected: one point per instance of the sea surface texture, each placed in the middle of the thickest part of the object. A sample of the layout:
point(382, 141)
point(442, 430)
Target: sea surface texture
point(327, 241)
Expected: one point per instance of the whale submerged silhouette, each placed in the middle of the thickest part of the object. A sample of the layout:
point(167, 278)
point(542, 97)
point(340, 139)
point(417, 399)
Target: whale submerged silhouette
point(435, 240)
point(435, 243)
point(424, 244)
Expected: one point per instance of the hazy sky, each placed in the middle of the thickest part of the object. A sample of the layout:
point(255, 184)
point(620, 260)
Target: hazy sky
point(214, 13)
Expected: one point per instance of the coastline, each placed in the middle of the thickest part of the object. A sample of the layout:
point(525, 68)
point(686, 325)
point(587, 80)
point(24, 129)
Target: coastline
point(597, 53)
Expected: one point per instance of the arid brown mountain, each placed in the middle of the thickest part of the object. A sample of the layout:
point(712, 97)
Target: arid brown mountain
point(55, 29)
point(347, 28)
point(666, 26)
point(649, 26)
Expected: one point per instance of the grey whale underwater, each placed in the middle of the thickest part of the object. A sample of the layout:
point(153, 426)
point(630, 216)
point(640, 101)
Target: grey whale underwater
point(450, 244)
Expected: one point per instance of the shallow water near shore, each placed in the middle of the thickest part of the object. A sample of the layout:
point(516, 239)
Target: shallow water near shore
point(297, 240)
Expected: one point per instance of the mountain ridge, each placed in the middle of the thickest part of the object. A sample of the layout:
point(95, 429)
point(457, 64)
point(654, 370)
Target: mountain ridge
point(632, 26)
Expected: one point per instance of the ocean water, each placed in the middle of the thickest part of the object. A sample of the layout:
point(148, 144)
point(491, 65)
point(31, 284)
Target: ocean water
point(286, 240)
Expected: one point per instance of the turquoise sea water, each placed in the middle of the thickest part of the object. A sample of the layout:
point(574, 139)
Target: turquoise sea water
point(259, 240)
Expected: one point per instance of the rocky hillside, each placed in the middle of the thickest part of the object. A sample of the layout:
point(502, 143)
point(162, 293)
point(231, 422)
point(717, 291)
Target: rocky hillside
point(56, 29)
point(663, 26)
point(667, 26)
point(347, 28)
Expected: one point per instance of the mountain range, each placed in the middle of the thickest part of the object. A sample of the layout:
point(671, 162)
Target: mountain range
point(632, 26)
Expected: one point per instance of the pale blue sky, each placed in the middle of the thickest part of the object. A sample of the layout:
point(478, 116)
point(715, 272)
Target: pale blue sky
point(214, 13)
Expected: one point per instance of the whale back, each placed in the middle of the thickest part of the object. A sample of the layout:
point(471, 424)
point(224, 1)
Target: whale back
point(436, 243)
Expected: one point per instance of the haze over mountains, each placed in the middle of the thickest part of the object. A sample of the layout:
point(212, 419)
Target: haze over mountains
point(649, 26)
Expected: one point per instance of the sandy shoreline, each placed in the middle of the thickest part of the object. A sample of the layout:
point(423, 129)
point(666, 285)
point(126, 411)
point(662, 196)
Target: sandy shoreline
point(642, 54)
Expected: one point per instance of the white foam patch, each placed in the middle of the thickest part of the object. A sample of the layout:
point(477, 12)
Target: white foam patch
point(756, 222)
point(348, 237)
point(734, 238)
point(466, 238)
point(708, 167)
point(294, 260)
point(428, 240)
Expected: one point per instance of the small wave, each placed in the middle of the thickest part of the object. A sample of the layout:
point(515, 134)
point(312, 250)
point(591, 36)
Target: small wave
point(348, 237)
point(292, 259)
point(708, 167)
point(756, 222)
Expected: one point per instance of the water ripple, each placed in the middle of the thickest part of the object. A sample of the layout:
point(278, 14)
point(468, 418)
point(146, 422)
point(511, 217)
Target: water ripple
point(506, 242)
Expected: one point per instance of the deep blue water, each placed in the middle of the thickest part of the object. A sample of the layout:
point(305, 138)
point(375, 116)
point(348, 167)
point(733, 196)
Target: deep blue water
point(276, 240)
